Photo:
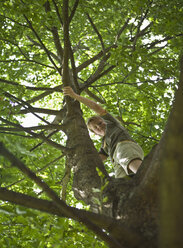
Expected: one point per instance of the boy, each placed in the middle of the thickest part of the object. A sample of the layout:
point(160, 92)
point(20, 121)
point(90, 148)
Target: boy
point(124, 152)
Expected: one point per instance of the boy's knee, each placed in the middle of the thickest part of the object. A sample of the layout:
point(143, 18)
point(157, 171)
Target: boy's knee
point(134, 165)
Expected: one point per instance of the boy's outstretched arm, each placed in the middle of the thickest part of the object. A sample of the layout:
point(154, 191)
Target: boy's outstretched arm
point(98, 109)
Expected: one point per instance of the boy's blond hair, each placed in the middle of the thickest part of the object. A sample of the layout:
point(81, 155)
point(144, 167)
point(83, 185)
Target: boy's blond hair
point(89, 121)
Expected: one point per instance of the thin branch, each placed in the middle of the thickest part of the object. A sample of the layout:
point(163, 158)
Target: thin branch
point(120, 118)
point(16, 134)
point(148, 137)
point(103, 85)
point(96, 31)
point(42, 44)
point(73, 10)
point(47, 6)
point(35, 128)
point(138, 33)
point(121, 30)
point(25, 105)
point(55, 89)
point(24, 55)
point(9, 82)
point(48, 136)
point(59, 117)
point(19, 48)
point(159, 49)
point(94, 58)
point(41, 169)
point(37, 98)
point(94, 96)
point(57, 11)
point(11, 19)
point(24, 60)
point(11, 129)
point(39, 45)
point(38, 136)
point(143, 31)
point(96, 76)
point(79, 46)
point(151, 45)
point(99, 69)
point(51, 90)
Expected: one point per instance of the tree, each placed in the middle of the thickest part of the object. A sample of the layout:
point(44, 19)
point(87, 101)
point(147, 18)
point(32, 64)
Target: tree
point(125, 55)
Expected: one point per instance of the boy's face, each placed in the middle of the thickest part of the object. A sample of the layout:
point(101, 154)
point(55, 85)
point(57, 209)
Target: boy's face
point(98, 126)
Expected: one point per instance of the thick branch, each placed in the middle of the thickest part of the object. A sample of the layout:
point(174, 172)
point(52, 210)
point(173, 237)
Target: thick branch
point(74, 71)
point(66, 77)
point(110, 224)
point(65, 180)
point(40, 110)
point(37, 98)
point(57, 43)
point(66, 210)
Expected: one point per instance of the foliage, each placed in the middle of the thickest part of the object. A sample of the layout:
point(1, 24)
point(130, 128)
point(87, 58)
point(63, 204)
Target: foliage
point(138, 90)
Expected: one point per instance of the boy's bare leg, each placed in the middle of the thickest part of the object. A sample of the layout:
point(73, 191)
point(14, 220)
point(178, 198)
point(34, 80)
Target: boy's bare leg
point(134, 165)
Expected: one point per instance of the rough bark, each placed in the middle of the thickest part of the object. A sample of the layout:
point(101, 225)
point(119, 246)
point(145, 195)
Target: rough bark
point(85, 159)
point(172, 175)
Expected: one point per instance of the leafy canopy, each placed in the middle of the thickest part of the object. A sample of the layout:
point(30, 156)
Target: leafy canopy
point(138, 89)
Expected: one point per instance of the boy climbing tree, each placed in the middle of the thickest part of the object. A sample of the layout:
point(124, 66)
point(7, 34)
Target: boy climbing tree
point(124, 152)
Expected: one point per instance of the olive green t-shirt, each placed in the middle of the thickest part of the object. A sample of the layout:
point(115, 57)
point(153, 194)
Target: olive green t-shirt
point(114, 134)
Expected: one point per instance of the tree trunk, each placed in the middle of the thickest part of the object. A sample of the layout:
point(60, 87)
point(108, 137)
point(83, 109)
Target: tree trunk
point(84, 158)
point(172, 176)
